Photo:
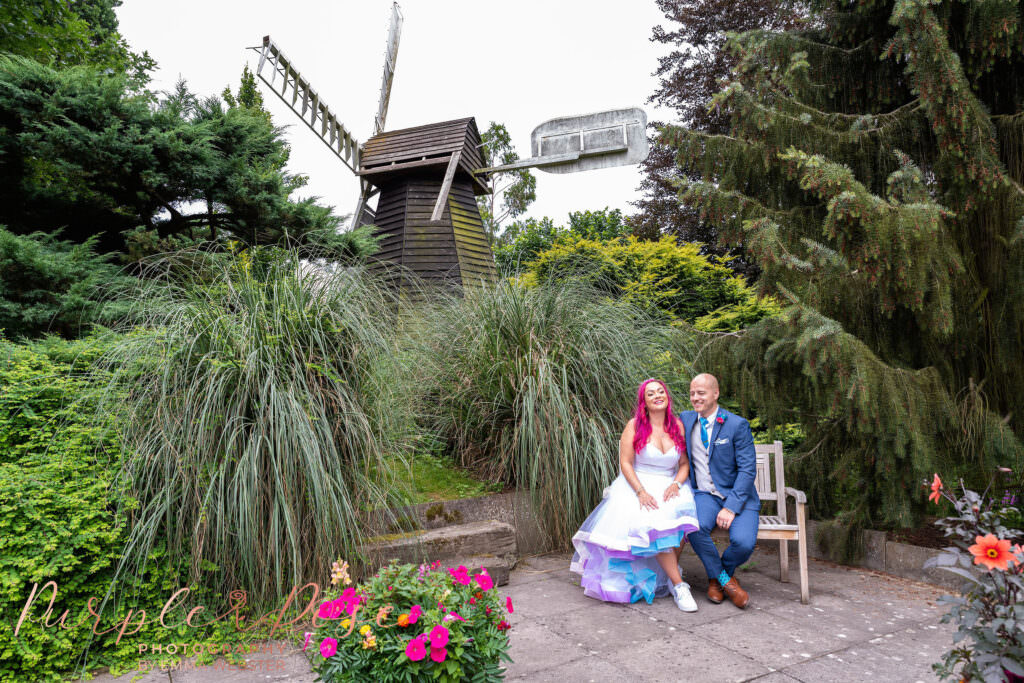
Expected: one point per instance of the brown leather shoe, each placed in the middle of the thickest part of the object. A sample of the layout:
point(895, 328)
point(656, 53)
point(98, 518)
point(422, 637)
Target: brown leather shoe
point(715, 593)
point(739, 597)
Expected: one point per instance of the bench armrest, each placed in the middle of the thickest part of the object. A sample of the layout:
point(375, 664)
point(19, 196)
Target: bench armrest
point(800, 496)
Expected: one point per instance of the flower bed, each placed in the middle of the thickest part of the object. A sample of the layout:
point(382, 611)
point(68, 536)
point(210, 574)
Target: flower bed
point(989, 641)
point(411, 623)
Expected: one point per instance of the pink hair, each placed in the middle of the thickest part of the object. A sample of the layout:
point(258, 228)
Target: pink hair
point(643, 422)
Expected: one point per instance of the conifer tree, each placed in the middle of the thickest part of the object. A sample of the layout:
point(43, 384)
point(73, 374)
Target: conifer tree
point(874, 167)
point(696, 31)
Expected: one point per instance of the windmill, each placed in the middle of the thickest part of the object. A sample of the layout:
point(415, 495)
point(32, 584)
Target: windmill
point(427, 177)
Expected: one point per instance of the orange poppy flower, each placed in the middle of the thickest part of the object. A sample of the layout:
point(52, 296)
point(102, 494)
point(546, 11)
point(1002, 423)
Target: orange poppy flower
point(936, 487)
point(992, 552)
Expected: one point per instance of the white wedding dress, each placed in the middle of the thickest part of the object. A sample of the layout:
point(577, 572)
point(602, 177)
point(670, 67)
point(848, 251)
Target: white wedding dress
point(616, 545)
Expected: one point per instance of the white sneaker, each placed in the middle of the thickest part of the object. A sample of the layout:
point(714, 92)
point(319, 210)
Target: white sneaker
point(684, 600)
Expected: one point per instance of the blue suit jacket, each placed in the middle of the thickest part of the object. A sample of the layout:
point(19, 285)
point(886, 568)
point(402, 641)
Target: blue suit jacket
point(731, 459)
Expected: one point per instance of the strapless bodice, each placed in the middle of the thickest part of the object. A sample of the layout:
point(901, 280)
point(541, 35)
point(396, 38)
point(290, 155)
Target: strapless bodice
point(652, 461)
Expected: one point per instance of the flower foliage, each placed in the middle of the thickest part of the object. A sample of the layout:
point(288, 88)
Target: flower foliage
point(989, 640)
point(414, 623)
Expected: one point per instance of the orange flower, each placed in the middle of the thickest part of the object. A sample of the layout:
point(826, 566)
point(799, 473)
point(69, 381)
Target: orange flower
point(936, 487)
point(403, 620)
point(992, 552)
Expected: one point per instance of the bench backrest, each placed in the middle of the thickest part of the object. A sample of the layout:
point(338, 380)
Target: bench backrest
point(769, 461)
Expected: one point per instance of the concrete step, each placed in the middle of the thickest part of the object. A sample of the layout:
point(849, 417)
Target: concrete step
point(489, 543)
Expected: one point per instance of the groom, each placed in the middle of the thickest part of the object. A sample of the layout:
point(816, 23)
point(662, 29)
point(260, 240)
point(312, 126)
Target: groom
point(722, 472)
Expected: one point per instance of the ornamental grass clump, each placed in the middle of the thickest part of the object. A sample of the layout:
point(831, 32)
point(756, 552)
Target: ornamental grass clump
point(410, 623)
point(256, 406)
point(986, 554)
point(531, 387)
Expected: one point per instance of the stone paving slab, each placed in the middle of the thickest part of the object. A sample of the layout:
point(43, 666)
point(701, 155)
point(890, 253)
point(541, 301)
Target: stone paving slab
point(859, 625)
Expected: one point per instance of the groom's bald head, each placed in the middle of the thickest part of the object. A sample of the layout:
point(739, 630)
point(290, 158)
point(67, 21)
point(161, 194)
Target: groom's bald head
point(704, 394)
point(709, 380)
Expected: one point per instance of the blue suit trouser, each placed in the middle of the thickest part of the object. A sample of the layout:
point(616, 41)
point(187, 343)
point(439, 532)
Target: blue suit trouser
point(742, 536)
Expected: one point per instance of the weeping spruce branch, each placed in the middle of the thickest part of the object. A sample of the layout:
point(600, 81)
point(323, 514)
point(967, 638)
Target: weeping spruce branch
point(873, 168)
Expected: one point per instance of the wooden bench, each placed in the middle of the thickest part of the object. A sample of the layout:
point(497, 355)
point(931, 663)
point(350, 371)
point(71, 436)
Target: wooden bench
point(777, 526)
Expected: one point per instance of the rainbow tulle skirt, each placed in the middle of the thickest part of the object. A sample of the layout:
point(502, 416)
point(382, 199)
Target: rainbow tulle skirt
point(617, 544)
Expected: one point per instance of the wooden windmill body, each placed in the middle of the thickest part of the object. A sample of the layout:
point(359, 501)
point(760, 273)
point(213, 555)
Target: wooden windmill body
point(427, 215)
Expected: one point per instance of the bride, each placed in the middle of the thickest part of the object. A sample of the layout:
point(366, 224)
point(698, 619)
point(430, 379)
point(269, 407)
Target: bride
point(628, 548)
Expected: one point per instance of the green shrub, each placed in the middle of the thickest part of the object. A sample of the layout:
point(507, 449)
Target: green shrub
point(533, 386)
point(663, 278)
point(524, 240)
point(58, 523)
point(49, 285)
point(257, 411)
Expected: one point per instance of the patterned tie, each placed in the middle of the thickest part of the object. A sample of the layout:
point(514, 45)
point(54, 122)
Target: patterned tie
point(704, 432)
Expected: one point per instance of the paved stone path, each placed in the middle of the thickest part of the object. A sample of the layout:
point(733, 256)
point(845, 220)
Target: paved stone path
point(860, 625)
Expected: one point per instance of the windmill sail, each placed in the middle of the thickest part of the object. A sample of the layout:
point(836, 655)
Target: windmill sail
point(299, 95)
point(390, 57)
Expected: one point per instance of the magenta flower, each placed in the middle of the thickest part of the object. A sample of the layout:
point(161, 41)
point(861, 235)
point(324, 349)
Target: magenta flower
point(305, 644)
point(460, 575)
point(452, 616)
point(484, 581)
point(329, 610)
point(328, 647)
point(720, 420)
point(508, 603)
point(416, 649)
point(504, 625)
point(438, 637)
point(438, 653)
point(414, 613)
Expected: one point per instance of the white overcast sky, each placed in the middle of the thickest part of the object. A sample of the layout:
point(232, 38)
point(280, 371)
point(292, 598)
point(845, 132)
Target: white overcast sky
point(519, 62)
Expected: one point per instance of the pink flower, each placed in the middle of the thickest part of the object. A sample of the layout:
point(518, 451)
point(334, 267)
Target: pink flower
point(328, 647)
point(720, 420)
point(414, 613)
point(484, 581)
point(438, 637)
point(438, 653)
point(452, 616)
point(305, 644)
point(460, 575)
point(472, 601)
point(488, 611)
point(504, 625)
point(329, 610)
point(416, 649)
point(508, 604)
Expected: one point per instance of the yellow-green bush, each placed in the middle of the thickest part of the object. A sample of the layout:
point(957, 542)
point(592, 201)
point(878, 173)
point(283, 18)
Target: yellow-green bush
point(665, 278)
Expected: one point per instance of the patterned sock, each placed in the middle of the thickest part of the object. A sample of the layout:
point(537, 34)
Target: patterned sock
point(723, 578)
